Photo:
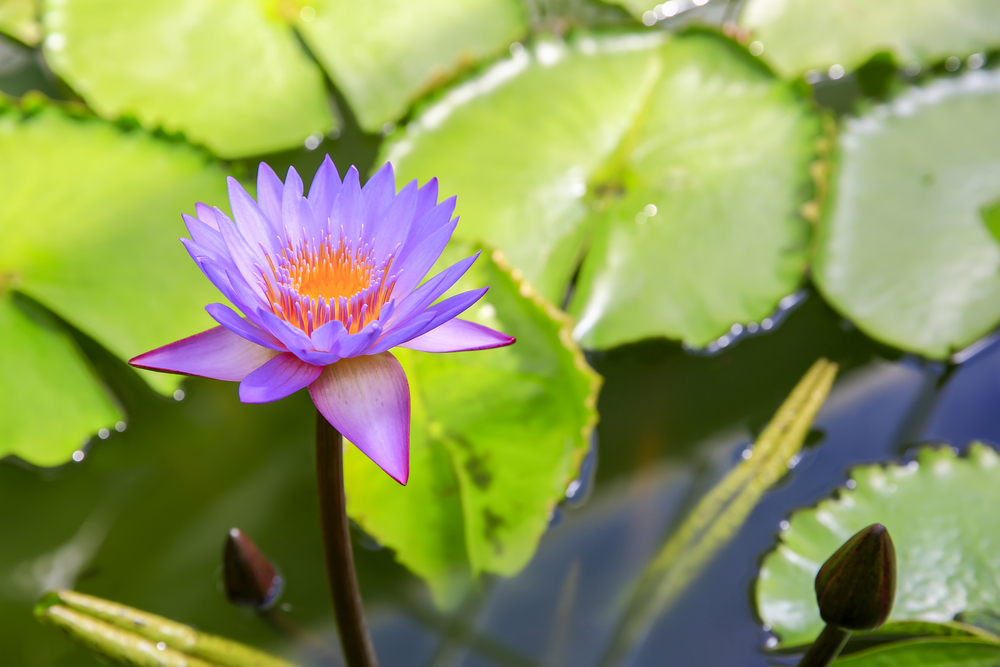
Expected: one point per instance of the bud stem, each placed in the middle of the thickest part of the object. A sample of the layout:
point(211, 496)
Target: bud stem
point(826, 648)
point(355, 643)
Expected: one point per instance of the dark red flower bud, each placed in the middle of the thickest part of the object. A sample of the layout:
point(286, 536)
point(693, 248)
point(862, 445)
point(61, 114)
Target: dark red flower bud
point(251, 580)
point(856, 586)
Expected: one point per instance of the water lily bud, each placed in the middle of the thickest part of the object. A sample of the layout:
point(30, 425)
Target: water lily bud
point(250, 578)
point(856, 586)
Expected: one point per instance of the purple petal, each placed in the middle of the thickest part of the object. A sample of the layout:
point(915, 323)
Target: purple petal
point(244, 258)
point(225, 316)
point(349, 209)
point(429, 292)
point(324, 190)
point(296, 214)
point(217, 353)
point(326, 337)
point(401, 333)
point(427, 198)
point(207, 215)
point(250, 221)
point(206, 236)
point(282, 376)
point(395, 223)
point(458, 336)
point(358, 343)
point(292, 337)
point(414, 264)
point(367, 399)
point(447, 309)
point(427, 223)
point(379, 193)
point(269, 195)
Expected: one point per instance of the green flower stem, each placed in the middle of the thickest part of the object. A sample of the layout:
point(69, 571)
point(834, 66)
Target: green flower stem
point(826, 648)
point(355, 642)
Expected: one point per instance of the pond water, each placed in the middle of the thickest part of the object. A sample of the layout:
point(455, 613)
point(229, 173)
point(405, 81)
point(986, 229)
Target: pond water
point(143, 517)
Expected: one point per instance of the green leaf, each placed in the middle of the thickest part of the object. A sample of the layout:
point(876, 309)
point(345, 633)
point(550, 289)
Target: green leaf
point(51, 399)
point(799, 35)
point(939, 511)
point(692, 127)
point(229, 74)
point(383, 54)
point(903, 250)
point(496, 437)
point(19, 19)
point(954, 652)
point(89, 223)
point(133, 637)
point(991, 218)
point(720, 160)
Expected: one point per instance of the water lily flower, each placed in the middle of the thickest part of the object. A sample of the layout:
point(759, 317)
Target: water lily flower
point(327, 284)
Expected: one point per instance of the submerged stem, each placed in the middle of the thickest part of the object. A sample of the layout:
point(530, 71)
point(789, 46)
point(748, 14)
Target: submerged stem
point(354, 639)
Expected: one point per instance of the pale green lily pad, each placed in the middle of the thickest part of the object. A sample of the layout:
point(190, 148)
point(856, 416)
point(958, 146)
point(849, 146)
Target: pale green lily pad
point(939, 511)
point(51, 399)
point(708, 232)
point(89, 222)
point(229, 74)
point(691, 126)
point(904, 250)
point(799, 35)
point(19, 19)
point(383, 54)
point(519, 143)
point(952, 652)
point(496, 437)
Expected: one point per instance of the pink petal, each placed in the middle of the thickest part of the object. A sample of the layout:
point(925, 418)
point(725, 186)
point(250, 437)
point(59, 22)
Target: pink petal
point(281, 376)
point(458, 336)
point(367, 399)
point(217, 353)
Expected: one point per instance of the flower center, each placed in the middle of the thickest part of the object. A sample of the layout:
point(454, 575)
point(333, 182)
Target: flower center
point(316, 285)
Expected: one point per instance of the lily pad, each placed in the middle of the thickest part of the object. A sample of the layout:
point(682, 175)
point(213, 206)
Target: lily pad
point(690, 126)
point(383, 54)
point(708, 232)
point(228, 74)
point(952, 652)
point(904, 249)
point(49, 394)
point(939, 510)
point(496, 438)
point(89, 221)
point(19, 19)
point(799, 35)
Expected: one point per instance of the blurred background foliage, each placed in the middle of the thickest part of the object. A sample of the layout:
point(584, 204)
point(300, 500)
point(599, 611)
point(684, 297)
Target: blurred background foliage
point(698, 172)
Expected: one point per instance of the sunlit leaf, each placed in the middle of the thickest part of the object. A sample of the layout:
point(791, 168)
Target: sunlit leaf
point(939, 510)
point(229, 74)
point(799, 35)
point(952, 652)
point(707, 232)
point(89, 221)
point(904, 249)
point(384, 53)
point(51, 399)
point(497, 436)
point(19, 18)
point(692, 136)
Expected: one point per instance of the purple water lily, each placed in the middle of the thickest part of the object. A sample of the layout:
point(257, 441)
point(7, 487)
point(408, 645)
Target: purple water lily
point(327, 284)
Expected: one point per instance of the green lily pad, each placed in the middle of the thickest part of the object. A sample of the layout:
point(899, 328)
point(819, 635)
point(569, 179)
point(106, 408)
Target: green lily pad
point(228, 74)
point(799, 35)
point(383, 54)
point(904, 250)
point(691, 126)
point(708, 232)
point(19, 19)
point(953, 652)
point(50, 397)
point(89, 222)
point(496, 438)
point(939, 510)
